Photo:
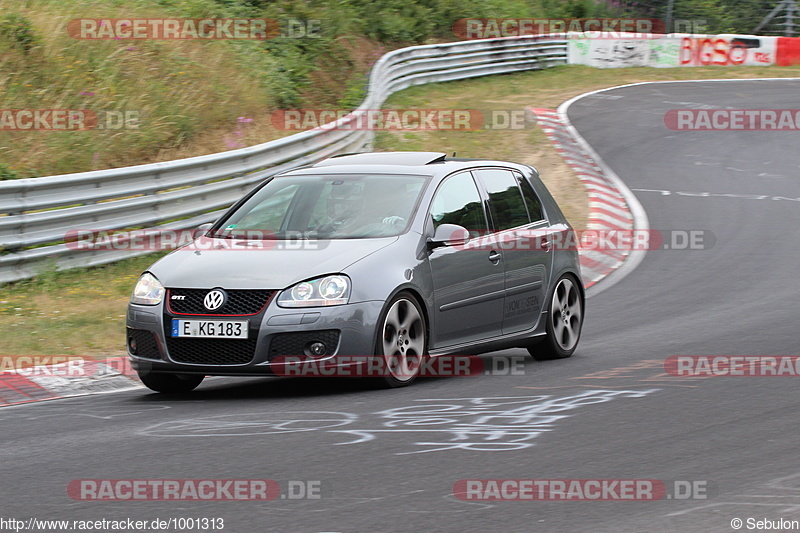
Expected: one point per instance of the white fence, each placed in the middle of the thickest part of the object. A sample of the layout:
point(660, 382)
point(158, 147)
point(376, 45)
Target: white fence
point(187, 192)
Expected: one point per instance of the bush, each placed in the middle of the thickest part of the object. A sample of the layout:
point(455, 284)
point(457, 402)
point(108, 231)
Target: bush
point(6, 173)
point(17, 31)
point(397, 20)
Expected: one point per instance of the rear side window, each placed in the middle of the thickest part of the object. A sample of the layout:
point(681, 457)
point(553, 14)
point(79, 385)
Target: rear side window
point(535, 210)
point(505, 199)
point(458, 202)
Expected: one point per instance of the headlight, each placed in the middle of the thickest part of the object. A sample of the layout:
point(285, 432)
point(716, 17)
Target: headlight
point(148, 290)
point(330, 290)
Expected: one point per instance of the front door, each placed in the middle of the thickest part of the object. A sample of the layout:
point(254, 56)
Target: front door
point(468, 282)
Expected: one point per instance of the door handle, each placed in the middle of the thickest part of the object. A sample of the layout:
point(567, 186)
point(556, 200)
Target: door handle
point(546, 244)
point(494, 256)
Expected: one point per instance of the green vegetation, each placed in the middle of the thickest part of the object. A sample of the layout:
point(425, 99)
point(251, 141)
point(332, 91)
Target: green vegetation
point(74, 312)
point(16, 30)
point(711, 16)
point(186, 97)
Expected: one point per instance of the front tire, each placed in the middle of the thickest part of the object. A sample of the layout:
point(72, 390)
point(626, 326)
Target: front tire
point(402, 342)
point(564, 322)
point(170, 383)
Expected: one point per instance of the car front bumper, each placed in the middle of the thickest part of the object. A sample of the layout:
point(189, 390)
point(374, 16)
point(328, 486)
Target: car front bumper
point(277, 337)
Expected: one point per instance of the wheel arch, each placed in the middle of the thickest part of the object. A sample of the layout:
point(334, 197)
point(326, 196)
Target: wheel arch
point(578, 282)
point(421, 302)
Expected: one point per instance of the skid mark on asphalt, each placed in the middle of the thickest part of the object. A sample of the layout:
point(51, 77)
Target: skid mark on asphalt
point(708, 194)
point(414, 501)
point(783, 492)
point(644, 371)
point(251, 424)
point(584, 387)
point(87, 407)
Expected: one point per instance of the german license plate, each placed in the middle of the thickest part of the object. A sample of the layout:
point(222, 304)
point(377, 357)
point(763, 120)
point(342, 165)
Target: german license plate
point(210, 329)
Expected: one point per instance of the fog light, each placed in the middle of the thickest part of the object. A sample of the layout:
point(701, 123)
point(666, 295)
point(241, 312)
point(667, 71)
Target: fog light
point(317, 348)
point(132, 345)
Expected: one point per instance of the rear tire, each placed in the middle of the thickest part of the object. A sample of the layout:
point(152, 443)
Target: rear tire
point(170, 383)
point(402, 342)
point(564, 322)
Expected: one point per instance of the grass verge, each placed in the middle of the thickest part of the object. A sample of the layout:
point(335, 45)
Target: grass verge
point(78, 312)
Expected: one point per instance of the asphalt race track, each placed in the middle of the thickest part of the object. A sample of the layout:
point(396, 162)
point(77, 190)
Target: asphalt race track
point(388, 460)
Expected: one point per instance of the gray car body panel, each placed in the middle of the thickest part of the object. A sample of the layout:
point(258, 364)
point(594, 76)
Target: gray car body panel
point(270, 268)
point(379, 268)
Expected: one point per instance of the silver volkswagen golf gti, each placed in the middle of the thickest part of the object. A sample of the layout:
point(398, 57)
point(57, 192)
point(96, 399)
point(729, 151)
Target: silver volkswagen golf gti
point(395, 257)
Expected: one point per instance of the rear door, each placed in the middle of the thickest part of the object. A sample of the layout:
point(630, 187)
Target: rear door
point(520, 230)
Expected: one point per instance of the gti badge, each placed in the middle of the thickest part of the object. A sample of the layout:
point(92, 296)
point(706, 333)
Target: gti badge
point(214, 299)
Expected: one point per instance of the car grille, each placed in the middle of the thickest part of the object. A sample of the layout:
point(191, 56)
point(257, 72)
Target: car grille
point(146, 345)
point(212, 351)
point(239, 303)
point(295, 343)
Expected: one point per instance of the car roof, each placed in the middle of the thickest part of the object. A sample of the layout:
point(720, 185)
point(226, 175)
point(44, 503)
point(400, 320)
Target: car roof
point(416, 163)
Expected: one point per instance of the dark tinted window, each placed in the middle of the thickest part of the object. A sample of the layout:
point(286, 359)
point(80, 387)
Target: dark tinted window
point(531, 199)
point(457, 202)
point(505, 199)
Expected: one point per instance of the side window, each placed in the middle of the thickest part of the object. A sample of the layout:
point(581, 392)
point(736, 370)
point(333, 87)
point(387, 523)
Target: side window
point(457, 202)
point(531, 198)
point(505, 199)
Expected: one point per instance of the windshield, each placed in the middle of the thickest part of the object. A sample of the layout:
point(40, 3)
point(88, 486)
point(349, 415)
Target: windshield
point(327, 207)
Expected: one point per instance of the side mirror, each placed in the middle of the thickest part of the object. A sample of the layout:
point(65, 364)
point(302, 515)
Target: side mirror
point(201, 230)
point(449, 235)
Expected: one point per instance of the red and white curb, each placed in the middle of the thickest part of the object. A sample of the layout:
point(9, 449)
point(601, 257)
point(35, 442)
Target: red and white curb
point(76, 377)
point(608, 208)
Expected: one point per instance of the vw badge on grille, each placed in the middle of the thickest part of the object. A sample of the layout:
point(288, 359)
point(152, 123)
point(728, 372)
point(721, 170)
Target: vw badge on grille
point(214, 299)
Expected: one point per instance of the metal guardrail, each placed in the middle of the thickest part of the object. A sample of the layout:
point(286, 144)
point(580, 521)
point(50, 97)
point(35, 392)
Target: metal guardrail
point(184, 193)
